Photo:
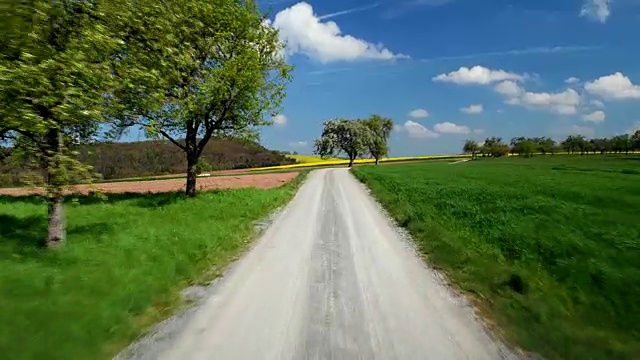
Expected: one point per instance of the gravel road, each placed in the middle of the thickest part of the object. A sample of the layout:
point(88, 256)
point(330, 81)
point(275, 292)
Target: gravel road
point(331, 278)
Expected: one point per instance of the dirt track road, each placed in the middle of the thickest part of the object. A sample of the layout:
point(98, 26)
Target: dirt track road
point(331, 278)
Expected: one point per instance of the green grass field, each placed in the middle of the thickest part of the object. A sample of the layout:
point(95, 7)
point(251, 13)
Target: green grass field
point(122, 269)
point(548, 246)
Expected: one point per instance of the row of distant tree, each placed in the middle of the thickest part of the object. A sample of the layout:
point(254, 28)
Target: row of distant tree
point(496, 147)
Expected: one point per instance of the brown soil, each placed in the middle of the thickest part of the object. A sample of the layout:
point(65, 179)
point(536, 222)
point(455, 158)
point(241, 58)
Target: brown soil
point(262, 181)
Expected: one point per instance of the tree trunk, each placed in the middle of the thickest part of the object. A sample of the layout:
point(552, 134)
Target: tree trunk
point(56, 234)
point(191, 144)
point(351, 160)
point(192, 175)
point(377, 161)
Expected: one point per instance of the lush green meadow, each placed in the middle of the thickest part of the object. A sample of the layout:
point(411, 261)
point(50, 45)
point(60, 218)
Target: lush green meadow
point(122, 269)
point(549, 246)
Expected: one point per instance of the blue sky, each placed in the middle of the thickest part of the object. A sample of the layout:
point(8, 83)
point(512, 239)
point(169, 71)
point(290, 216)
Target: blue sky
point(448, 70)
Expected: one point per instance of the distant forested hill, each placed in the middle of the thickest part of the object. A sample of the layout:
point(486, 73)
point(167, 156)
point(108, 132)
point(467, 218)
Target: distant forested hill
point(156, 157)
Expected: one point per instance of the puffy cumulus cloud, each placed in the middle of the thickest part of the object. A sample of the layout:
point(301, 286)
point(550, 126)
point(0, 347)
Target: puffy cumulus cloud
point(279, 119)
point(473, 109)
point(563, 103)
point(509, 88)
point(451, 128)
point(614, 87)
point(597, 10)
point(477, 75)
point(416, 130)
point(305, 33)
point(572, 80)
point(595, 117)
point(419, 113)
point(597, 103)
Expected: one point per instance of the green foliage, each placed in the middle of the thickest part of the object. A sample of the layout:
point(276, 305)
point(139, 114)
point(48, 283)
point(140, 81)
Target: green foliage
point(122, 269)
point(351, 137)
point(380, 129)
point(54, 73)
point(494, 147)
point(202, 69)
point(471, 147)
point(550, 245)
point(524, 146)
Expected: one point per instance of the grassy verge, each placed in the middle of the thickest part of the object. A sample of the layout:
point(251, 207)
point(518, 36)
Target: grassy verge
point(122, 269)
point(550, 247)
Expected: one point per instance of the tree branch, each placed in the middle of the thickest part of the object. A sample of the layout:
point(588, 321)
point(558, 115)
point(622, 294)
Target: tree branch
point(168, 137)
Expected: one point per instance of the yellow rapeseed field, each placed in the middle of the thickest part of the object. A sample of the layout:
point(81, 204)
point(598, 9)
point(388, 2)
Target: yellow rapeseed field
point(309, 159)
point(330, 162)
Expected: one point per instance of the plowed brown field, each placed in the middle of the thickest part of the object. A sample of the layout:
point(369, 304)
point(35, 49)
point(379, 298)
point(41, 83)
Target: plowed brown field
point(262, 181)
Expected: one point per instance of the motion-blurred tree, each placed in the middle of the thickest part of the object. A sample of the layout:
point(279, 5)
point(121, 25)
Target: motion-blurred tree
point(54, 73)
point(195, 69)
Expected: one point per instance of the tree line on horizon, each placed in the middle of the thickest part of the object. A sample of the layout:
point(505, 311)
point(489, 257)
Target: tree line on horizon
point(186, 71)
point(573, 144)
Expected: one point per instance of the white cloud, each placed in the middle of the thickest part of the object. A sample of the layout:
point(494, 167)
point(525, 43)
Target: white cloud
point(417, 131)
point(509, 88)
point(614, 87)
point(597, 10)
point(597, 103)
point(595, 117)
point(473, 109)
point(451, 128)
point(279, 119)
point(572, 80)
point(477, 75)
point(478, 131)
point(298, 144)
point(305, 33)
point(563, 103)
point(419, 113)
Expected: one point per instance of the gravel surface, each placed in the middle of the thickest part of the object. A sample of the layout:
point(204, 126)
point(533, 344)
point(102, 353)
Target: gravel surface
point(331, 278)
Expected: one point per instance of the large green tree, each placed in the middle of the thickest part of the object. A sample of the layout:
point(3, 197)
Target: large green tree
point(380, 129)
point(54, 74)
point(341, 136)
point(191, 70)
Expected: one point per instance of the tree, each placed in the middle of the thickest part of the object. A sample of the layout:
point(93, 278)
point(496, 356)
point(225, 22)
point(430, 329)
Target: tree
point(545, 145)
point(343, 136)
point(54, 73)
point(635, 139)
point(495, 147)
point(380, 130)
point(525, 147)
point(622, 143)
point(575, 143)
point(471, 147)
point(192, 70)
